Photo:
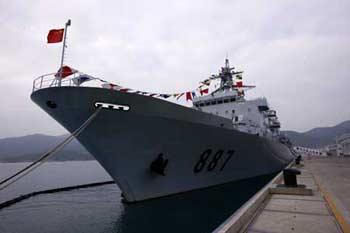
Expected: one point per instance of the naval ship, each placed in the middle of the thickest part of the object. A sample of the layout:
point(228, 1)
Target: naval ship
point(153, 148)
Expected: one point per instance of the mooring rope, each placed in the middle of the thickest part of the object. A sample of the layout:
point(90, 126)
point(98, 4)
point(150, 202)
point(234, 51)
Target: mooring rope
point(23, 172)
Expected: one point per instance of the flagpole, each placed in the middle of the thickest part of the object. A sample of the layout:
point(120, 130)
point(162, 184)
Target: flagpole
point(63, 48)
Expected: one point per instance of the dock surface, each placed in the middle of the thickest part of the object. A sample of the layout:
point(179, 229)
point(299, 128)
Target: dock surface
point(325, 211)
point(333, 174)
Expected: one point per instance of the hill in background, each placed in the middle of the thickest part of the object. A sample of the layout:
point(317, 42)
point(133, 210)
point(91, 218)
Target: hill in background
point(31, 147)
point(318, 137)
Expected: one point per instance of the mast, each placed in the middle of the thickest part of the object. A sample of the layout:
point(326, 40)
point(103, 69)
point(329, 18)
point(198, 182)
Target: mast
point(63, 49)
point(229, 79)
point(226, 75)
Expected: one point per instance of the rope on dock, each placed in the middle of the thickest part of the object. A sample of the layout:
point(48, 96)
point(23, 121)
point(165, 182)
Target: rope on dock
point(18, 175)
point(68, 188)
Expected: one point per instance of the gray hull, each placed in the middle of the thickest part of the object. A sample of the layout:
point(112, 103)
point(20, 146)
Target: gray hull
point(202, 149)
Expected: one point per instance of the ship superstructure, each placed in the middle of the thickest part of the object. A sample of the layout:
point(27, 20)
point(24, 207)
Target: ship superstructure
point(228, 101)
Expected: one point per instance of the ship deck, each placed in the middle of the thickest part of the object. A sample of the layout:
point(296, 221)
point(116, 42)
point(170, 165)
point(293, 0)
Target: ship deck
point(326, 210)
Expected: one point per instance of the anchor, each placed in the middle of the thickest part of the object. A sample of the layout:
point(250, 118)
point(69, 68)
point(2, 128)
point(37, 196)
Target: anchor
point(159, 164)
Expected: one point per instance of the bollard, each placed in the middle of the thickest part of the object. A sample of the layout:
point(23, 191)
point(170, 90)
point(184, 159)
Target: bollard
point(297, 160)
point(290, 177)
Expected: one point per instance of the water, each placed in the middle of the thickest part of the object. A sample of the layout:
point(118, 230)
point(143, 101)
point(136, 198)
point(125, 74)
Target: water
point(51, 175)
point(100, 209)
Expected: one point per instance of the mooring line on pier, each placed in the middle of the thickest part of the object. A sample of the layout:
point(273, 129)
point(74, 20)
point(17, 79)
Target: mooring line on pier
point(48, 191)
point(23, 172)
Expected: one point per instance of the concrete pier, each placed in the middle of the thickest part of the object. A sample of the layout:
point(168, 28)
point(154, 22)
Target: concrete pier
point(323, 208)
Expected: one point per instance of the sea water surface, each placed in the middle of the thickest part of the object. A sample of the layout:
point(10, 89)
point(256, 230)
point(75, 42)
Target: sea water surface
point(99, 209)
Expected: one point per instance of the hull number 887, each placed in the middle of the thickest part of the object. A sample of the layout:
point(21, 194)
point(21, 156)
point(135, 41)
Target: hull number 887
point(213, 161)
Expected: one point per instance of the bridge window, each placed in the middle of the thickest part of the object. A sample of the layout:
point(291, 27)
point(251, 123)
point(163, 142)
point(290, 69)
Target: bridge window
point(263, 108)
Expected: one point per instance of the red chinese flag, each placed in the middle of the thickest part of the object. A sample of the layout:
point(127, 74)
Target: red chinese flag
point(205, 91)
point(66, 71)
point(55, 36)
point(188, 96)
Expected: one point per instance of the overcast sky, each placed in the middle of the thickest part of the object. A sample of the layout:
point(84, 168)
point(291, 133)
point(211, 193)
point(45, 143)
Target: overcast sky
point(296, 52)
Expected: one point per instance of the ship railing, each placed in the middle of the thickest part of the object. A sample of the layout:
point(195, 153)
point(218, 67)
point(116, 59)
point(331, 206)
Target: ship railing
point(51, 80)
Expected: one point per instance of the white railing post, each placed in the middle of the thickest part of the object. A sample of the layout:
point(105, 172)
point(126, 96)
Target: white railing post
point(33, 85)
point(41, 81)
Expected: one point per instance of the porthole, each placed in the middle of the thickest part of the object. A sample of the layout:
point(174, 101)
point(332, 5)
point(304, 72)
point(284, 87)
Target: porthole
point(51, 104)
